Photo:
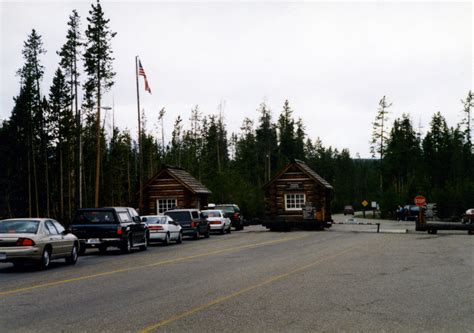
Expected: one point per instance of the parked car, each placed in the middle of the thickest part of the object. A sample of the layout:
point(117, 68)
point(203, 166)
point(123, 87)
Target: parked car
point(410, 213)
point(348, 210)
point(163, 229)
point(37, 240)
point(192, 222)
point(232, 211)
point(217, 220)
point(468, 216)
point(110, 226)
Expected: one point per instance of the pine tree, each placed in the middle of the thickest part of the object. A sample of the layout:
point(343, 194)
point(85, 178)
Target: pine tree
point(286, 131)
point(176, 141)
point(70, 54)
point(468, 104)
point(62, 121)
point(379, 135)
point(31, 75)
point(402, 156)
point(98, 65)
point(267, 144)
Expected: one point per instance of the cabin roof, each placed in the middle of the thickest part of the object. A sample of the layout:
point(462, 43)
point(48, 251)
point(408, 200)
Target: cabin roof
point(183, 177)
point(304, 168)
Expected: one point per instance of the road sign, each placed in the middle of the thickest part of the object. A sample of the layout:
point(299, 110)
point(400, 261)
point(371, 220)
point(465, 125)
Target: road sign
point(420, 200)
point(365, 203)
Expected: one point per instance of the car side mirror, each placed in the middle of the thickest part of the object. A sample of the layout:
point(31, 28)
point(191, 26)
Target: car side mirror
point(65, 232)
point(144, 219)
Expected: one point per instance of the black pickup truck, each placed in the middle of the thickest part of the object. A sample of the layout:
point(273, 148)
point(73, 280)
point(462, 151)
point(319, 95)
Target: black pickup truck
point(110, 226)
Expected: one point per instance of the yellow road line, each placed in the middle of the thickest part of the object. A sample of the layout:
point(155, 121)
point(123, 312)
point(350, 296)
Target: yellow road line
point(159, 263)
point(242, 291)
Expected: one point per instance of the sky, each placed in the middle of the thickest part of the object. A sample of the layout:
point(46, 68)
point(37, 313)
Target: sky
point(333, 61)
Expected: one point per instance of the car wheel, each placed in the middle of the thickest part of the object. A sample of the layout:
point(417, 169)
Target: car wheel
point(167, 239)
point(197, 234)
point(145, 246)
point(127, 247)
point(72, 259)
point(45, 259)
point(206, 235)
point(180, 238)
point(102, 249)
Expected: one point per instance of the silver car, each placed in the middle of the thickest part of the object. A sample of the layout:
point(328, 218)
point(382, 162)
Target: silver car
point(37, 240)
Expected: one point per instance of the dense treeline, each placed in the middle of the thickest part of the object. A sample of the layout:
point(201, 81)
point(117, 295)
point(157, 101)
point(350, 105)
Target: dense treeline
point(56, 155)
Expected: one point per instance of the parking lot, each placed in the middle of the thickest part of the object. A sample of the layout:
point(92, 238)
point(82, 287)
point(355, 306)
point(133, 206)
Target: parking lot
point(346, 279)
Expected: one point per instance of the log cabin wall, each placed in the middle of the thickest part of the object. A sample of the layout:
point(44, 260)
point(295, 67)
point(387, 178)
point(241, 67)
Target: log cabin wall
point(169, 190)
point(296, 182)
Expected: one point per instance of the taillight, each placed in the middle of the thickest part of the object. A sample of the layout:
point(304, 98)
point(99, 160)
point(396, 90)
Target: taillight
point(25, 242)
point(236, 215)
point(119, 231)
point(194, 224)
point(155, 227)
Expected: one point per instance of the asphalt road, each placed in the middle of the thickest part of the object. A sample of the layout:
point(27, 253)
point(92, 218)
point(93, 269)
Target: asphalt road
point(346, 279)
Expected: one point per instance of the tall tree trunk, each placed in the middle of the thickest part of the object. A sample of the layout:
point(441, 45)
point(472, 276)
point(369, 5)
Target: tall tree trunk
point(97, 165)
point(30, 212)
point(35, 178)
point(129, 181)
point(46, 178)
point(61, 181)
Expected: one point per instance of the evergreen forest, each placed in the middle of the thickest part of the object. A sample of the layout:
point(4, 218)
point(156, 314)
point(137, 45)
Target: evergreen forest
point(56, 155)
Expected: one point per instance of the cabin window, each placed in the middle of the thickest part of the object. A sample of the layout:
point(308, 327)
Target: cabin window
point(294, 201)
point(166, 204)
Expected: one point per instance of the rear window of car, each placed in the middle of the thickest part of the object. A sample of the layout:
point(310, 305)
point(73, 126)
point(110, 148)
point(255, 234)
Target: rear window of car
point(211, 213)
point(179, 216)
point(155, 219)
point(227, 209)
point(19, 227)
point(92, 216)
point(124, 217)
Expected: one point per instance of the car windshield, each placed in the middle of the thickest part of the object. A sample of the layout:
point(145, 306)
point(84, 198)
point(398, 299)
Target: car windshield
point(211, 213)
point(179, 216)
point(19, 227)
point(94, 216)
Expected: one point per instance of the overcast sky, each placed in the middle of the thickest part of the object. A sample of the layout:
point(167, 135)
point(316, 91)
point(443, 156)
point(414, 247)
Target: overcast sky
point(333, 61)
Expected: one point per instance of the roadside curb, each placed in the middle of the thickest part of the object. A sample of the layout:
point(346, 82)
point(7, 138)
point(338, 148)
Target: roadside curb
point(390, 231)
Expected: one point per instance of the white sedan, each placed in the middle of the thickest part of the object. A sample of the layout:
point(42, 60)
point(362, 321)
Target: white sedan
point(163, 229)
point(217, 220)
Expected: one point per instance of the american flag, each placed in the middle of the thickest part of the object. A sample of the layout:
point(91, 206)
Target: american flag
point(141, 72)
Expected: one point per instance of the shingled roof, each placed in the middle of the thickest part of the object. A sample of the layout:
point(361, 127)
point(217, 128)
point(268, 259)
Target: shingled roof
point(307, 170)
point(310, 172)
point(184, 178)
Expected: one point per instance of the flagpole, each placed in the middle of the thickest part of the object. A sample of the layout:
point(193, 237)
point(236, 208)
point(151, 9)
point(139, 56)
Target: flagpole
point(140, 203)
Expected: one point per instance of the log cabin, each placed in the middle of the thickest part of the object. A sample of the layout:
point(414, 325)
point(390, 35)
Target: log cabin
point(297, 197)
point(173, 187)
